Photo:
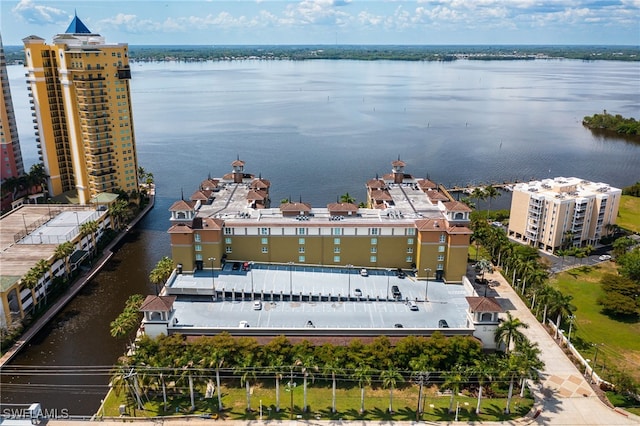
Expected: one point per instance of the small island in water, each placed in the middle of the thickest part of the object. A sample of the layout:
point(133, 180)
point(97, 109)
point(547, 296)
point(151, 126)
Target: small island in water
point(612, 123)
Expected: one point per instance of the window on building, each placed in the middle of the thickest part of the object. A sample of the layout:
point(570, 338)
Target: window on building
point(265, 249)
point(336, 249)
point(440, 258)
point(198, 256)
point(227, 240)
point(300, 240)
point(441, 249)
point(336, 259)
point(301, 259)
point(228, 231)
point(410, 241)
point(411, 231)
point(336, 231)
point(374, 249)
point(264, 231)
point(336, 241)
point(409, 259)
point(373, 259)
point(374, 231)
point(197, 247)
point(440, 267)
point(301, 249)
point(409, 249)
point(443, 238)
point(374, 241)
point(302, 231)
point(264, 241)
point(227, 249)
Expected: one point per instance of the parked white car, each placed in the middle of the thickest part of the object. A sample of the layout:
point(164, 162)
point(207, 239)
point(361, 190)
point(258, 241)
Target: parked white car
point(605, 257)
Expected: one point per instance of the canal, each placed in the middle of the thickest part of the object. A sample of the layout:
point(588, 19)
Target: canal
point(50, 365)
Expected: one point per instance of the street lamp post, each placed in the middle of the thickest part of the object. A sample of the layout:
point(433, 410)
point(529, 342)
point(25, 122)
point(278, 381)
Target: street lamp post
point(426, 288)
point(595, 362)
point(388, 276)
point(251, 266)
point(290, 278)
point(349, 267)
point(571, 318)
point(213, 279)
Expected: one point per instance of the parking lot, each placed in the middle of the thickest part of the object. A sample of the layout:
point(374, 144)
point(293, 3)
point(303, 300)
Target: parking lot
point(376, 308)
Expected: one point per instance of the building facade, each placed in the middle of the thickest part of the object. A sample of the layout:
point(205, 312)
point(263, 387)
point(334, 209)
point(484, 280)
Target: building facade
point(407, 224)
point(12, 166)
point(562, 212)
point(81, 101)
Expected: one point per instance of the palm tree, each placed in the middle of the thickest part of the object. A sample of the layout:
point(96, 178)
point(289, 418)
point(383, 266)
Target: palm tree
point(64, 251)
point(161, 273)
point(43, 267)
point(508, 331)
point(118, 211)
point(421, 367)
point(307, 366)
point(362, 374)
point(90, 228)
point(479, 194)
point(484, 265)
point(483, 370)
point(333, 368)
point(390, 378)
point(453, 380)
point(511, 368)
point(490, 192)
point(560, 304)
point(247, 374)
point(30, 281)
point(346, 198)
point(529, 354)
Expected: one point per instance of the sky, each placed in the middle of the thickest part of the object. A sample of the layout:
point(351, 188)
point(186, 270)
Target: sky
point(328, 22)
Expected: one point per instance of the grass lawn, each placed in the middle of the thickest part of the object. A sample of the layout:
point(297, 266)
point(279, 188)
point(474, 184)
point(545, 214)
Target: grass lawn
point(319, 400)
point(618, 341)
point(629, 213)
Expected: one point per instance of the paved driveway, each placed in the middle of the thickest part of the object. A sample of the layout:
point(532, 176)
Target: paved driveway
point(564, 396)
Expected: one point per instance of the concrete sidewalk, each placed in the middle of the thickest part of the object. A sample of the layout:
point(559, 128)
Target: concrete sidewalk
point(563, 396)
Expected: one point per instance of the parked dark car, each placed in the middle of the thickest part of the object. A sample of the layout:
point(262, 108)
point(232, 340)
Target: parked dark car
point(400, 273)
point(396, 292)
point(443, 324)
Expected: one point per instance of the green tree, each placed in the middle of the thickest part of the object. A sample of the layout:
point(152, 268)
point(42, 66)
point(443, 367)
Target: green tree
point(161, 273)
point(64, 251)
point(333, 367)
point(453, 380)
point(508, 332)
point(490, 193)
point(363, 375)
point(346, 198)
point(560, 305)
point(630, 265)
point(308, 366)
point(420, 371)
point(483, 370)
point(619, 295)
point(90, 228)
point(390, 379)
point(247, 374)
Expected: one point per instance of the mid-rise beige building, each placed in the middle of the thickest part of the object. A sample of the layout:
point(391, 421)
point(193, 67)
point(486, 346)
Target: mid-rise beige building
point(81, 101)
point(408, 223)
point(562, 212)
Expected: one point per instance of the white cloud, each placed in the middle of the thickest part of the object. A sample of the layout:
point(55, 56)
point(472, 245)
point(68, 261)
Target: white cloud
point(32, 13)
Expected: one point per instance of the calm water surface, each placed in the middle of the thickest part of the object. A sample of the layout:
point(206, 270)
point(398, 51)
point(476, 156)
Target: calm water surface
point(316, 130)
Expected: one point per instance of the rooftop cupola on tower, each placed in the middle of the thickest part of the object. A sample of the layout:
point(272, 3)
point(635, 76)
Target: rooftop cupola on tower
point(77, 27)
point(398, 170)
point(238, 170)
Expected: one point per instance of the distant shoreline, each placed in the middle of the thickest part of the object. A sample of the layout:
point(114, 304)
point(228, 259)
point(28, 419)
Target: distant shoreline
point(445, 53)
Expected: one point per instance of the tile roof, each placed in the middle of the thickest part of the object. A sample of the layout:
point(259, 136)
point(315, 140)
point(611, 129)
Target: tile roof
point(181, 205)
point(260, 183)
point(342, 207)
point(456, 206)
point(157, 304)
point(180, 228)
point(209, 184)
point(198, 195)
point(484, 304)
point(295, 207)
